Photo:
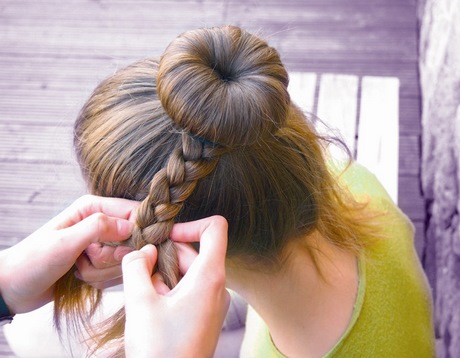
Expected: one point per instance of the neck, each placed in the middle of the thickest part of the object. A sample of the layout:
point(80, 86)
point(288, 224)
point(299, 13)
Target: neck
point(306, 306)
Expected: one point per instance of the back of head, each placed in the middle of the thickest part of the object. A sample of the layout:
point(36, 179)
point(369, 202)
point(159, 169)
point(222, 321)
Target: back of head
point(201, 133)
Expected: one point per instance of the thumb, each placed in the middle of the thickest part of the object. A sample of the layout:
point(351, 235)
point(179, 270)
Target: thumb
point(137, 267)
point(97, 227)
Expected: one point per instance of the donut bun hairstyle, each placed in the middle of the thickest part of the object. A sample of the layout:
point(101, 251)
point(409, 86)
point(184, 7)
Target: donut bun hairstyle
point(207, 129)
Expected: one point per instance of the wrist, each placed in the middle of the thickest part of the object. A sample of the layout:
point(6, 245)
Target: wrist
point(5, 306)
point(5, 315)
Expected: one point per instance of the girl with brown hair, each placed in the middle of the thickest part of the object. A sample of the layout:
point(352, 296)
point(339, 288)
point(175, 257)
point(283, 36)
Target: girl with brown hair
point(318, 250)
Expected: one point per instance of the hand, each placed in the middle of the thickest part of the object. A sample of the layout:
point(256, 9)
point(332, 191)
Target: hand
point(185, 321)
point(29, 270)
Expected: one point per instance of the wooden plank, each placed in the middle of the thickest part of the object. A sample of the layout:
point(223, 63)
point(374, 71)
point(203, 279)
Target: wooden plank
point(347, 46)
point(36, 143)
point(419, 238)
point(411, 200)
point(409, 115)
point(77, 42)
point(302, 86)
point(337, 106)
point(98, 29)
point(316, 44)
point(24, 219)
point(402, 3)
point(118, 14)
point(29, 183)
point(56, 74)
point(318, 15)
point(409, 155)
point(51, 73)
point(109, 15)
point(378, 131)
point(40, 106)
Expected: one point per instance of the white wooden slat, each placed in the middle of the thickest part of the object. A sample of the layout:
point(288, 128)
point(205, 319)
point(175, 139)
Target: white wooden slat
point(377, 143)
point(378, 132)
point(301, 88)
point(337, 106)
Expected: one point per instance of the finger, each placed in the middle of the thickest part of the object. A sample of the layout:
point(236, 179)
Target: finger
point(212, 234)
point(107, 284)
point(102, 256)
point(95, 228)
point(191, 231)
point(213, 240)
point(158, 283)
point(209, 266)
point(186, 254)
point(88, 205)
point(121, 251)
point(92, 275)
point(137, 267)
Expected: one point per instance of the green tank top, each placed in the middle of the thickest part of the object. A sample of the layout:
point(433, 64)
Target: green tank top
point(392, 316)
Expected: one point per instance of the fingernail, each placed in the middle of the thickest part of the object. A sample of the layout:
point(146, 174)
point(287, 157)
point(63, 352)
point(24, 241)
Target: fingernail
point(124, 227)
point(146, 247)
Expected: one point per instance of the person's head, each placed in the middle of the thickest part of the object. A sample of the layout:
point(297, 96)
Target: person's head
point(210, 129)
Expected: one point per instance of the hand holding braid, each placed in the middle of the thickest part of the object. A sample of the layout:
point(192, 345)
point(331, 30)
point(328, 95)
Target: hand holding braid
point(170, 187)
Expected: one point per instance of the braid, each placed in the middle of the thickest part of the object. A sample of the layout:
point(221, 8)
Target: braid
point(170, 187)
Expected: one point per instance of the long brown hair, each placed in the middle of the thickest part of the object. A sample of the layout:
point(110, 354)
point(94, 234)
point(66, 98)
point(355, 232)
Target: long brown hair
point(208, 129)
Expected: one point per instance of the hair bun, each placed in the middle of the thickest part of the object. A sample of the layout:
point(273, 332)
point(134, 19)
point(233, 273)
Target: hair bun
point(224, 85)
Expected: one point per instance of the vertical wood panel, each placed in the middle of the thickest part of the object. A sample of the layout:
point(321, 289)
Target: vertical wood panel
point(337, 106)
point(302, 86)
point(378, 133)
